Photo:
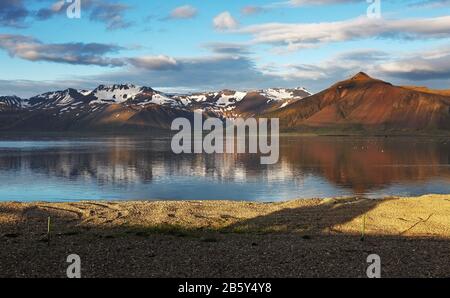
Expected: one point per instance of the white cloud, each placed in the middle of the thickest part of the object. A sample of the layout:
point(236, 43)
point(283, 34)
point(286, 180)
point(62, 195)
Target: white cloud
point(32, 49)
point(307, 35)
point(183, 12)
point(160, 62)
point(251, 10)
point(225, 21)
point(420, 66)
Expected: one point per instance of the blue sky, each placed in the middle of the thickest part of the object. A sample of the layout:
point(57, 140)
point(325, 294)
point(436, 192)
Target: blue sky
point(208, 44)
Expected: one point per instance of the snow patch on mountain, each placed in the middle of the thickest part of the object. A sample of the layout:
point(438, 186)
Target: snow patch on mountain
point(283, 93)
point(116, 93)
point(229, 98)
point(160, 99)
point(10, 102)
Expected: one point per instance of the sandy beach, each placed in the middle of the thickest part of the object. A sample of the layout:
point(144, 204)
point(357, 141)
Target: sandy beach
point(301, 238)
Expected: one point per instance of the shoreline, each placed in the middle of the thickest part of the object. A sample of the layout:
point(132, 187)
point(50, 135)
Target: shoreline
point(159, 132)
point(301, 238)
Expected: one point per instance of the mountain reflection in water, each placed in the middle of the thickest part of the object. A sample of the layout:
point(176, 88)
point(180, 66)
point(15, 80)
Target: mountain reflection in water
point(60, 169)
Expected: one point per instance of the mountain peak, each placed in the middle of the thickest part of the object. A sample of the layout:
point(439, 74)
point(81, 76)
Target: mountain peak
point(360, 76)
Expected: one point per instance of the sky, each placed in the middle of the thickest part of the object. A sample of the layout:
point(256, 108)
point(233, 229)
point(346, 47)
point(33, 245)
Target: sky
point(203, 45)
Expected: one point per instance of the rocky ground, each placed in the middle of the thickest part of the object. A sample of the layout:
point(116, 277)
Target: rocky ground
point(303, 238)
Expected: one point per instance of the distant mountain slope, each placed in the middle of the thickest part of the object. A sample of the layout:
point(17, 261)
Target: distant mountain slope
point(10, 103)
point(427, 90)
point(130, 107)
point(233, 104)
point(366, 103)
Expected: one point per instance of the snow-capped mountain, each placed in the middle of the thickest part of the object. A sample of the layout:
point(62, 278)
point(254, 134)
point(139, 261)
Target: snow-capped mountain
point(57, 99)
point(226, 98)
point(114, 94)
point(222, 98)
point(130, 95)
point(114, 105)
point(10, 103)
point(230, 103)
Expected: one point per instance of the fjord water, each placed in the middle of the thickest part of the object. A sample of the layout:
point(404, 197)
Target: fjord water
point(144, 168)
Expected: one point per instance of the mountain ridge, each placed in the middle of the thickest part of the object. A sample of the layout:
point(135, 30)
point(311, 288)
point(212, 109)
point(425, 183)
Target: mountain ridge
point(366, 103)
point(360, 103)
point(128, 106)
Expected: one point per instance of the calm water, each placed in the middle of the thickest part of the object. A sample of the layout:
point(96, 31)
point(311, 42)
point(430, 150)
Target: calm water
point(65, 169)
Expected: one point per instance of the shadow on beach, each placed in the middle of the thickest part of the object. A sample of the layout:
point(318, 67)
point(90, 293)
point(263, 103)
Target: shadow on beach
point(118, 240)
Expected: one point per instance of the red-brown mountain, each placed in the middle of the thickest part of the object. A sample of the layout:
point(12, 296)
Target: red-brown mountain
point(365, 103)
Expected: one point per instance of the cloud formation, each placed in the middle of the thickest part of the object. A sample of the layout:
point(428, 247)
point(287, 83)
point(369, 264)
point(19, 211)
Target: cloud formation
point(252, 10)
point(227, 48)
point(110, 13)
point(32, 49)
point(180, 74)
point(338, 66)
point(183, 12)
point(225, 21)
point(430, 67)
point(299, 36)
point(234, 71)
point(160, 62)
point(48, 12)
point(240, 60)
point(424, 66)
point(13, 13)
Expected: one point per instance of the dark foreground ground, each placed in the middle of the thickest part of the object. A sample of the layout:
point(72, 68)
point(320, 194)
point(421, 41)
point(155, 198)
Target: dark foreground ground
point(305, 238)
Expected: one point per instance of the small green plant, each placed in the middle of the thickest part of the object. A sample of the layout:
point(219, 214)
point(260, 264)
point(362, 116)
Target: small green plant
point(363, 228)
point(48, 230)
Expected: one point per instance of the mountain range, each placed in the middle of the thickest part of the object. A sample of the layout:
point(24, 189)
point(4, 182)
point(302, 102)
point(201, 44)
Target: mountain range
point(122, 107)
point(359, 103)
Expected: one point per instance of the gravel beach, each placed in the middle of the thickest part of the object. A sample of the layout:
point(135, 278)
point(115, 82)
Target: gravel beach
point(301, 238)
